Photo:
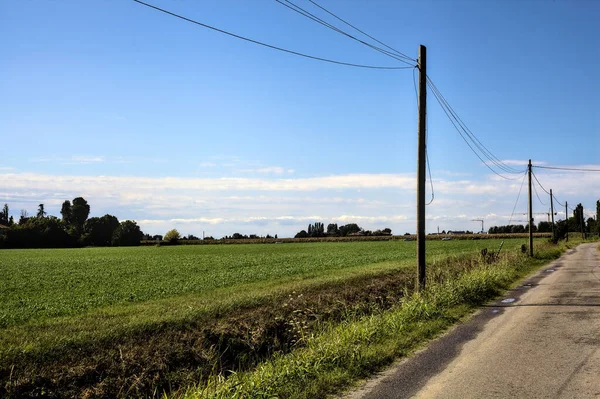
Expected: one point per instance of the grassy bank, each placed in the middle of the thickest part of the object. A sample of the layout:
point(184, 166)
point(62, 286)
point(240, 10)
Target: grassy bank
point(342, 353)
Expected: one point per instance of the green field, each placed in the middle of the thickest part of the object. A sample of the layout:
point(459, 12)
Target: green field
point(93, 321)
point(57, 282)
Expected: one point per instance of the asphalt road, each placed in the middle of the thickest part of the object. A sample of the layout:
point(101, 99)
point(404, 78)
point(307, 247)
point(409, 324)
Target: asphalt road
point(543, 341)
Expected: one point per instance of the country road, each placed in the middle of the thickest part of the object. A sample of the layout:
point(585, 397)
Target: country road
point(541, 340)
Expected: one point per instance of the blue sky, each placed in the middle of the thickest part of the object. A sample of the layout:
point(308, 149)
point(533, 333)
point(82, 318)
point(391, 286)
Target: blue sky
point(154, 119)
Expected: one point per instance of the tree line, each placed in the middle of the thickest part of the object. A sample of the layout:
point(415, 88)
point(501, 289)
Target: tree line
point(73, 229)
point(333, 230)
point(575, 223)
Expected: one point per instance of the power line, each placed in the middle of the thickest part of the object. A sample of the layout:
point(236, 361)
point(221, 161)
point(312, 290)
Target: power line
point(536, 179)
point(430, 180)
point(296, 8)
point(573, 169)
point(366, 34)
point(482, 148)
point(556, 199)
point(268, 45)
point(538, 196)
point(517, 201)
point(454, 123)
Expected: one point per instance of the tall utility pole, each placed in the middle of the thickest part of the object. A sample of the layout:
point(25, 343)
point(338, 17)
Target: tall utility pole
point(567, 219)
point(421, 157)
point(530, 213)
point(552, 211)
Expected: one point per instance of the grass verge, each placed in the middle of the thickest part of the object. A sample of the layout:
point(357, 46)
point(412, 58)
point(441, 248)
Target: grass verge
point(342, 353)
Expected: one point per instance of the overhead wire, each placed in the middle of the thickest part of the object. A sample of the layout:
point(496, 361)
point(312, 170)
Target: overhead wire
point(482, 148)
point(561, 168)
point(426, 138)
point(538, 196)
point(513, 211)
point(270, 45)
point(517, 201)
point(542, 187)
point(364, 33)
point(454, 123)
point(296, 8)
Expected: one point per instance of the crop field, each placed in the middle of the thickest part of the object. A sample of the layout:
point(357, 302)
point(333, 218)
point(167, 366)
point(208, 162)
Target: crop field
point(57, 282)
point(143, 321)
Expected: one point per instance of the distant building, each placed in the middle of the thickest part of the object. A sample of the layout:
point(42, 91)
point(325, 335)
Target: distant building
point(3, 227)
point(457, 232)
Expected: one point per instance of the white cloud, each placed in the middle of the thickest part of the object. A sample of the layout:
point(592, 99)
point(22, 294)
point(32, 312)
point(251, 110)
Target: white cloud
point(118, 183)
point(275, 170)
point(280, 205)
point(523, 163)
point(72, 160)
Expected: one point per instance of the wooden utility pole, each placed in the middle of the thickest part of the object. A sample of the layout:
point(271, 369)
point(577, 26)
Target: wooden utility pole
point(552, 211)
point(530, 212)
point(567, 219)
point(421, 157)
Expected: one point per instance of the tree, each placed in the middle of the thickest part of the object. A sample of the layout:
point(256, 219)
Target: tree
point(349, 229)
point(172, 236)
point(4, 215)
point(66, 212)
point(591, 226)
point(39, 232)
point(302, 234)
point(99, 231)
point(544, 227)
point(578, 217)
point(24, 216)
point(332, 229)
point(127, 234)
point(598, 217)
point(80, 211)
point(41, 212)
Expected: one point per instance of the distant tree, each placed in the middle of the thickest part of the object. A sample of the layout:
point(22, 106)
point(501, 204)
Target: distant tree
point(24, 217)
point(66, 212)
point(332, 229)
point(4, 215)
point(157, 237)
point(80, 210)
point(38, 232)
point(591, 226)
point(238, 236)
point(544, 227)
point(127, 234)
point(578, 218)
point(350, 228)
point(11, 221)
point(302, 234)
point(41, 212)
point(99, 231)
point(172, 236)
point(598, 217)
